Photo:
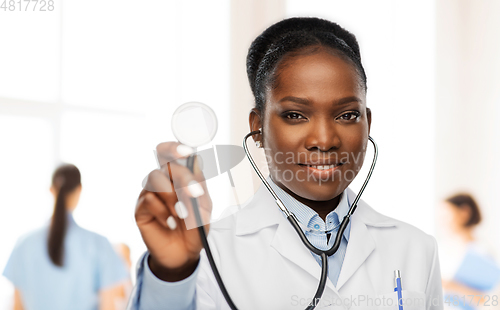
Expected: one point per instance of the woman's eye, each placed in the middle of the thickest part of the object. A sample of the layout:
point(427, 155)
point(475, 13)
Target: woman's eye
point(350, 116)
point(293, 115)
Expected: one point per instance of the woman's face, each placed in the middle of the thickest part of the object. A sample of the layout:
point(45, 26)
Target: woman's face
point(315, 125)
point(453, 217)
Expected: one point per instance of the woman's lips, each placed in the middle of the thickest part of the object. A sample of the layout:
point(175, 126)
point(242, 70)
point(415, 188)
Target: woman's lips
point(321, 171)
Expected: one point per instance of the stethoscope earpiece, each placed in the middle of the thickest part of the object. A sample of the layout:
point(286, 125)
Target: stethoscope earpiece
point(258, 143)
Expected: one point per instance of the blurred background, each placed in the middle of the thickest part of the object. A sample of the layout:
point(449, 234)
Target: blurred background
point(94, 83)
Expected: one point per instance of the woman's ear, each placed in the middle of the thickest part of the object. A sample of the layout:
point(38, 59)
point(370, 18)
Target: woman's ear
point(369, 117)
point(53, 190)
point(255, 123)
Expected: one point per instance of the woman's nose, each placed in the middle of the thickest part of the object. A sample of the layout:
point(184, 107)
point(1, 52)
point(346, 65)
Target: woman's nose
point(323, 135)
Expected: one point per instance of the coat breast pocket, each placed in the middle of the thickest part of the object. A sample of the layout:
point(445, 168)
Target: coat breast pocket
point(411, 300)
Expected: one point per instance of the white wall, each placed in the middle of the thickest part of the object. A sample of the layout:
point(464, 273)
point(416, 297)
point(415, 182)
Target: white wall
point(468, 106)
point(248, 20)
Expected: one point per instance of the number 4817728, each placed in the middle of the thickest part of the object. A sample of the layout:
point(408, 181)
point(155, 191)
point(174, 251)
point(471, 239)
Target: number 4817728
point(27, 5)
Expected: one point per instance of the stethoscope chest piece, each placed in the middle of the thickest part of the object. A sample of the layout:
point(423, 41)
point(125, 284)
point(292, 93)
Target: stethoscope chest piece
point(194, 124)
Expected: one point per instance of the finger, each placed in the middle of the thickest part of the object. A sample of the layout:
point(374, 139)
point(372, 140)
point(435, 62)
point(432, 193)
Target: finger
point(167, 152)
point(163, 189)
point(152, 211)
point(182, 207)
point(203, 203)
point(156, 232)
point(178, 200)
point(185, 181)
point(161, 213)
point(186, 186)
point(157, 182)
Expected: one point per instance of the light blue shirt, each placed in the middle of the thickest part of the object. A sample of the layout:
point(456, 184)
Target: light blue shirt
point(310, 218)
point(90, 264)
point(152, 293)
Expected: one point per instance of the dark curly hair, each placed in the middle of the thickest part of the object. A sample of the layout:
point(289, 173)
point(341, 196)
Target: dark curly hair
point(296, 36)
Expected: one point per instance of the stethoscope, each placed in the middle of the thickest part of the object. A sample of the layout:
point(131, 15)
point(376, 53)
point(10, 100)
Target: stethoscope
point(207, 113)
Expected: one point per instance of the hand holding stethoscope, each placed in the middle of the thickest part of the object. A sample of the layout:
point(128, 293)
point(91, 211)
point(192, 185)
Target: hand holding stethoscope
point(164, 209)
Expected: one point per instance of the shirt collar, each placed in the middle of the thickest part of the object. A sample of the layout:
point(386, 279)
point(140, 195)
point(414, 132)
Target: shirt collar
point(308, 216)
point(261, 211)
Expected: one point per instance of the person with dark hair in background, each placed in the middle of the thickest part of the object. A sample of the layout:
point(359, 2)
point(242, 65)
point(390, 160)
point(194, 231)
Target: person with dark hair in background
point(310, 106)
point(62, 266)
point(469, 268)
point(467, 214)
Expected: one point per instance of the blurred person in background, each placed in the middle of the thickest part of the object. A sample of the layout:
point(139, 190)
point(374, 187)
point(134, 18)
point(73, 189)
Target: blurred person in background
point(469, 271)
point(125, 289)
point(62, 266)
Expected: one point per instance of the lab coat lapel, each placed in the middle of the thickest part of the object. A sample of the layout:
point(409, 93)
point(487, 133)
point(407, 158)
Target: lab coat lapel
point(359, 247)
point(288, 244)
point(361, 243)
point(262, 212)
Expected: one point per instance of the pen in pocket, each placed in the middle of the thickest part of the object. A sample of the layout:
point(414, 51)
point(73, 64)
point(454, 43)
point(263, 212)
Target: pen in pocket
point(398, 288)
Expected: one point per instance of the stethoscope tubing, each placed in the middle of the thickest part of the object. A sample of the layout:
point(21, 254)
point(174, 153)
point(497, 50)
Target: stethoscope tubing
point(290, 217)
point(204, 241)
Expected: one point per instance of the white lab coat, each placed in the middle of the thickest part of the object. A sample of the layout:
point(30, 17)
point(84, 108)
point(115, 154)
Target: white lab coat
point(264, 265)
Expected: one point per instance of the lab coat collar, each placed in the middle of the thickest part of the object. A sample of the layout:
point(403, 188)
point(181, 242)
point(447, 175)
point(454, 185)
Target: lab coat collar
point(262, 212)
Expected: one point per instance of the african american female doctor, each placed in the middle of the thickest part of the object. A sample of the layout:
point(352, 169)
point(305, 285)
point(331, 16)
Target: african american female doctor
point(310, 104)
